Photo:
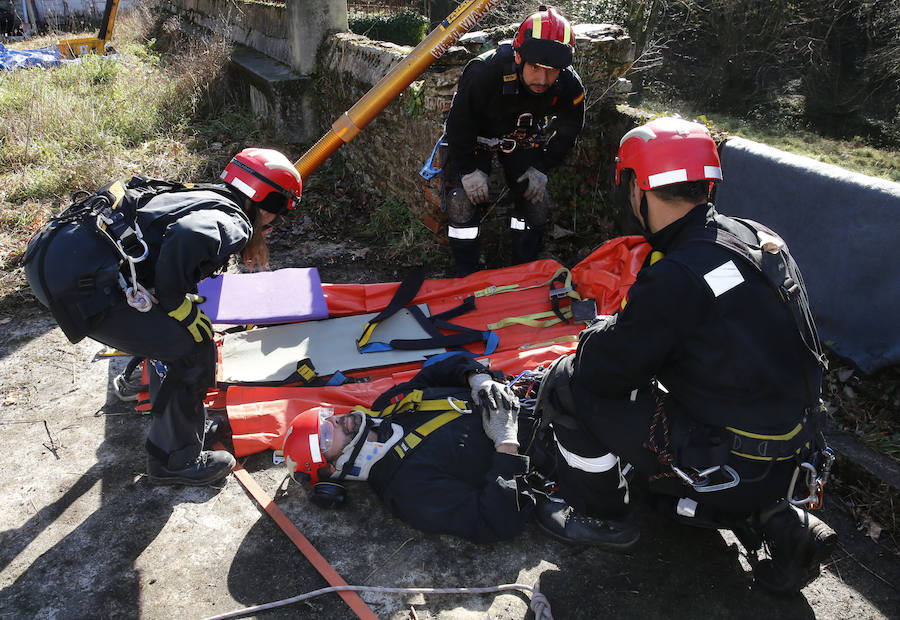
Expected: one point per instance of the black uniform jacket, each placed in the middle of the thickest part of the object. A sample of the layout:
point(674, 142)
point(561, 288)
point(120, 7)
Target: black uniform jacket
point(455, 482)
point(711, 329)
point(481, 109)
point(189, 234)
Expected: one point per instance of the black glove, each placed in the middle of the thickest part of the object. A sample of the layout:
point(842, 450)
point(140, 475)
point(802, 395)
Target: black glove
point(192, 319)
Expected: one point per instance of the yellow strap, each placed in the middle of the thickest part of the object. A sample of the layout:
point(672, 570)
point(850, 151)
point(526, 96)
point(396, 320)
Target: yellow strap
point(118, 192)
point(558, 340)
point(415, 437)
point(506, 288)
point(368, 330)
point(532, 320)
point(789, 435)
point(413, 401)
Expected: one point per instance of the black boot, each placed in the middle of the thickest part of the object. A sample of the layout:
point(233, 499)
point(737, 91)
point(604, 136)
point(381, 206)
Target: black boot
point(798, 543)
point(560, 521)
point(210, 466)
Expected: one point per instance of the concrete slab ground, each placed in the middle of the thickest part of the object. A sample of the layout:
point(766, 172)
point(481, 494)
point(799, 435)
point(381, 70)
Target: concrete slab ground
point(83, 534)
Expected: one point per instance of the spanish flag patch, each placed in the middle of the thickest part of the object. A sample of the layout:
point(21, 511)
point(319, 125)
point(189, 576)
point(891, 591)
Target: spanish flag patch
point(578, 99)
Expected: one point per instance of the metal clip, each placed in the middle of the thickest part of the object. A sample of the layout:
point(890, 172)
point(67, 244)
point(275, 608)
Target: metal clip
point(700, 480)
point(811, 485)
point(507, 145)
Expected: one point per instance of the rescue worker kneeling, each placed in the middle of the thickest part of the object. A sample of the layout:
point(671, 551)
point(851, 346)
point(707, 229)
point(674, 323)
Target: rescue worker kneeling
point(122, 265)
point(440, 450)
point(707, 380)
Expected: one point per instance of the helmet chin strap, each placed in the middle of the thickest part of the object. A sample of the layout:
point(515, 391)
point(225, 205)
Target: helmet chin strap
point(644, 209)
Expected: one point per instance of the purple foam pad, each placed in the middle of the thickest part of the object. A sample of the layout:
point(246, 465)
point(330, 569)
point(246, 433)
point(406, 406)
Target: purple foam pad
point(282, 296)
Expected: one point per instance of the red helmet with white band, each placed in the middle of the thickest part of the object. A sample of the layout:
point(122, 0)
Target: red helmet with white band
point(545, 38)
point(257, 173)
point(306, 442)
point(666, 151)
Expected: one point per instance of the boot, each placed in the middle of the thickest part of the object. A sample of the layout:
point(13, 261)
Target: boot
point(798, 543)
point(562, 522)
point(210, 466)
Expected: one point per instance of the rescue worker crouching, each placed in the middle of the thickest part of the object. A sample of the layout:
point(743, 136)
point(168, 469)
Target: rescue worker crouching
point(121, 266)
point(443, 456)
point(707, 380)
point(503, 102)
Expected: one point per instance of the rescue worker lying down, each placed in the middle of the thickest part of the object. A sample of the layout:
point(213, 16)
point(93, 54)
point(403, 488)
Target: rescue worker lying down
point(468, 482)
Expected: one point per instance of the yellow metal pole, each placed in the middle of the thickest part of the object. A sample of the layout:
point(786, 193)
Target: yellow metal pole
point(392, 84)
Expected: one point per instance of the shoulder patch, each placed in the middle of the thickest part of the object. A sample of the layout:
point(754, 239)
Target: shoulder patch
point(723, 278)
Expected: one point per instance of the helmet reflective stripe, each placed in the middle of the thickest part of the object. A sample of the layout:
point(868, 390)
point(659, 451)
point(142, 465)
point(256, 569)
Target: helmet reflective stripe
point(314, 450)
point(713, 172)
point(245, 189)
point(536, 25)
point(667, 178)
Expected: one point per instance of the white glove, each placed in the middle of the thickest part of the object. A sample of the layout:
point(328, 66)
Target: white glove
point(476, 185)
point(499, 409)
point(537, 183)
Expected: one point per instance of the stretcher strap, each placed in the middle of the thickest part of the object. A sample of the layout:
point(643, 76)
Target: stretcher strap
point(315, 558)
point(413, 401)
point(537, 319)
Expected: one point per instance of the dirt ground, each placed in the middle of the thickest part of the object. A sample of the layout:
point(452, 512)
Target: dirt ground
point(85, 536)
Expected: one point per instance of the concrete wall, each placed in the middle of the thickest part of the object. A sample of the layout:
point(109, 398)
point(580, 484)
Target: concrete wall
point(59, 12)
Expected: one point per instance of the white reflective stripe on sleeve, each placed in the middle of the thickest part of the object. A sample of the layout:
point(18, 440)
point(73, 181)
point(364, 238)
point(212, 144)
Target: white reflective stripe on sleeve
point(723, 278)
point(245, 189)
point(686, 507)
point(634, 394)
point(667, 178)
point(517, 224)
point(712, 172)
point(592, 465)
point(462, 233)
point(314, 449)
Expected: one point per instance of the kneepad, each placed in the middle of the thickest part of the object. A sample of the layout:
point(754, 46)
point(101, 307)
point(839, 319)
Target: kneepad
point(460, 210)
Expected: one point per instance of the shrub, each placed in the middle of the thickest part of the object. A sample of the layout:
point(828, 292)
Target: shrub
point(404, 28)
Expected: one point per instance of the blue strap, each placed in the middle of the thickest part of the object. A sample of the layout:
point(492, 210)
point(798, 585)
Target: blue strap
point(428, 171)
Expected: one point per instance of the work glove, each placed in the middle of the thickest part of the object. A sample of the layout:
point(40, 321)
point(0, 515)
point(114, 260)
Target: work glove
point(499, 409)
point(537, 183)
point(192, 318)
point(476, 185)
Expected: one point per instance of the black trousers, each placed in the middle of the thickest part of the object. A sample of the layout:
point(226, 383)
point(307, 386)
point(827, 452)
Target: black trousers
point(623, 427)
point(532, 218)
point(180, 372)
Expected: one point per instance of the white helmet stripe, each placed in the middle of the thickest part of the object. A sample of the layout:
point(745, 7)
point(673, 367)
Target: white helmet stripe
point(667, 178)
point(712, 172)
point(314, 449)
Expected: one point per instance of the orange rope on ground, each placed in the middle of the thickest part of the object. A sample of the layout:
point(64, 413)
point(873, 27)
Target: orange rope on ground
point(315, 558)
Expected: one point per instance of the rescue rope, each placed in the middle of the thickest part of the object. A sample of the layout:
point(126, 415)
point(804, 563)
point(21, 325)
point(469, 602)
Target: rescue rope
point(664, 452)
point(539, 603)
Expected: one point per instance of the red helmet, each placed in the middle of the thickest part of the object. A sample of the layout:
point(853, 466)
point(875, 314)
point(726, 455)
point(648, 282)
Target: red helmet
point(667, 151)
point(545, 38)
point(257, 173)
point(306, 442)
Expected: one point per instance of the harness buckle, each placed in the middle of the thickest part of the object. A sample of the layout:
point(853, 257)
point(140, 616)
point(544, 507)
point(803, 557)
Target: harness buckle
point(560, 291)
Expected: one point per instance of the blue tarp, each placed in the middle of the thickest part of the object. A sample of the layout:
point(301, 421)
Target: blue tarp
point(21, 59)
point(842, 229)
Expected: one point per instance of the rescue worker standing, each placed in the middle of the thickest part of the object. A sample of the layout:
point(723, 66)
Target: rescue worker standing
point(707, 381)
point(503, 103)
point(122, 265)
point(458, 432)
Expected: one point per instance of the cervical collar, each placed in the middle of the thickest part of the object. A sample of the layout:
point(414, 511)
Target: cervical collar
point(362, 454)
